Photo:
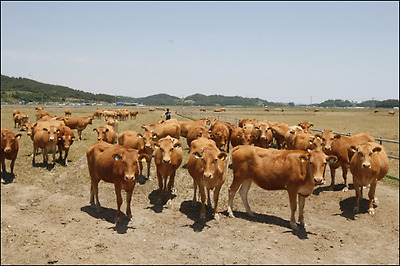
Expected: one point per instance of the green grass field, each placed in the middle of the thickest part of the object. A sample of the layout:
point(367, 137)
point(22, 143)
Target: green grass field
point(379, 125)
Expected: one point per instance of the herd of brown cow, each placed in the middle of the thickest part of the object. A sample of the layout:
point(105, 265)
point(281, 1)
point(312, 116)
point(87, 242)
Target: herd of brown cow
point(274, 155)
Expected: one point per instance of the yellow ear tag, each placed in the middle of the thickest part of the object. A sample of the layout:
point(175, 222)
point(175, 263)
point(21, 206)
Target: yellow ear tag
point(302, 159)
point(144, 160)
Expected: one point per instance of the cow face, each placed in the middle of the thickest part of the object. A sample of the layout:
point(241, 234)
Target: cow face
point(9, 141)
point(365, 152)
point(52, 133)
point(318, 160)
point(128, 158)
point(327, 138)
point(167, 146)
point(211, 162)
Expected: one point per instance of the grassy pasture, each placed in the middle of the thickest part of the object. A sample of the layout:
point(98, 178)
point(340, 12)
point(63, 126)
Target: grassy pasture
point(379, 125)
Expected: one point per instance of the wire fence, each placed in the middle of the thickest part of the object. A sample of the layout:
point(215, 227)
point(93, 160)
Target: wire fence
point(235, 121)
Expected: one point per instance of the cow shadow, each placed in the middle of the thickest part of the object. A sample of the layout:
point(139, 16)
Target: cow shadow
point(142, 179)
point(193, 213)
point(301, 232)
point(48, 166)
point(337, 187)
point(347, 207)
point(7, 177)
point(108, 214)
point(158, 207)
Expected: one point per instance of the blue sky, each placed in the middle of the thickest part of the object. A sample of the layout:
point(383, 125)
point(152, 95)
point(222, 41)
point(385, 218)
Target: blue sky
point(297, 52)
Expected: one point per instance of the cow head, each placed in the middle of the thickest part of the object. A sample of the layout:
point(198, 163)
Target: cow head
point(9, 141)
point(52, 132)
point(365, 152)
point(129, 159)
point(167, 146)
point(317, 160)
point(211, 161)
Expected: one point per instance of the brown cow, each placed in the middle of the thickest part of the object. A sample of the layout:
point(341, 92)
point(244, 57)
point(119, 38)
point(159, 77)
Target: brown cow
point(113, 122)
point(221, 134)
point(168, 158)
point(219, 110)
point(290, 136)
point(78, 123)
point(67, 112)
point(20, 119)
point(391, 112)
point(338, 145)
point(303, 141)
point(113, 164)
point(196, 132)
point(368, 165)
point(161, 130)
point(241, 136)
point(40, 113)
point(45, 137)
point(133, 114)
point(98, 113)
point(261, 135)
point(279, 131)
point(202, 109)
point(9, 148)
point(376, 111)
point(143, 142)
point(306, 126)
point(206, 166)
point(65, 139)
point(186, 125)
point(291, 170)
point(106, 133)
point(316, 110)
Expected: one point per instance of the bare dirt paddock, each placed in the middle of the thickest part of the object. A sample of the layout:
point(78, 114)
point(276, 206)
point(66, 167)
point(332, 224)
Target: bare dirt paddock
point(46, 219)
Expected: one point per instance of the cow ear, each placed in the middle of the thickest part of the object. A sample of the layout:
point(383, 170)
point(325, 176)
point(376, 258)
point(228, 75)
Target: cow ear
point(58, 131)
point(140, 135)
point(353, 148)
point(377, 149)
point(18, 136)
point(337, 136)
point(332, 159)
point(177, 145)
point(59, 138)
point(117, 157)
point(304, 158)
point(318, 136)
point(197, 155)
point(73, 138)
point(222, 156)
point(95, 130)
point(45, 129)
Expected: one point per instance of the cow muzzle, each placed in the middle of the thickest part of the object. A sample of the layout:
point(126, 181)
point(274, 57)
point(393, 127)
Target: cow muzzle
point(130, 178)
point(319, 180)
point(7, 150)
point(366, 165)
point(207, 175)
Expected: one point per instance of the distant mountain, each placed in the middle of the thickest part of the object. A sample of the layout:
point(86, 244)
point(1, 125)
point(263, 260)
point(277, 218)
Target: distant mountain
point(27, 90)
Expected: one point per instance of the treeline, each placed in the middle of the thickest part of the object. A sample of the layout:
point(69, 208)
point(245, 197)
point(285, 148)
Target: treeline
point(27, 90)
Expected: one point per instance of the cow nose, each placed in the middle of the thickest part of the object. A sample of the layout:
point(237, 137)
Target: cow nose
point(148, 146)
point(263, 137)
point(51, 139)
point(7, 150)
point(98, 138)
point(366, 165)
point(319, 180)
point(166, 161)
point(129, 177)
point(327, 148)
point(207, 175)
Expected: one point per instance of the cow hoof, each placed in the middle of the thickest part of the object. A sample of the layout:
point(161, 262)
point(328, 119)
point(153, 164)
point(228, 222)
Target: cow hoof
point(345, 189)
point(356, 210)
point(371, 211)
point(202, 217)
point(250, 213)
point(295, 228)
point(375, 201)
point(216, 217)
point(169, 202)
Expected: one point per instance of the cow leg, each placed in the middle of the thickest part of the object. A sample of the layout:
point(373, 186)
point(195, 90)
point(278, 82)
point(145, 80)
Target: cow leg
point(216, 197)
point(34, 154)
point(302, 202)
point(345, 170)
point(232, 191)
point(12, 165)
point(333, 170)
point(195, 191)
point(208, 197)
point(140, 167)
point(117, 187)
point(160, 187)
point(66, 156)
point(128, 203)
point(45, 155)
point(80, 134)
point(94, 194)
point(170, 186)
point(148, 167)
point(3, 164)
point(371, 195)
point(293, 207)
point(358, 194)
point(203, 201)
point(243, 191)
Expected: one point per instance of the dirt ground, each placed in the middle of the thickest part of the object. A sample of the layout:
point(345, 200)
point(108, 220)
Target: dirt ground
point(51, 222)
